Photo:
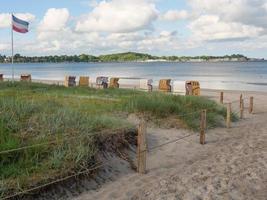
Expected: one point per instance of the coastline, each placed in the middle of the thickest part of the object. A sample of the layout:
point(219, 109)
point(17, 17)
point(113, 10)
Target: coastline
point(147, 61)
point(135, 86)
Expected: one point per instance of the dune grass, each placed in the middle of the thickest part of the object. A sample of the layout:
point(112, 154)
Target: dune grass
point(68, 119)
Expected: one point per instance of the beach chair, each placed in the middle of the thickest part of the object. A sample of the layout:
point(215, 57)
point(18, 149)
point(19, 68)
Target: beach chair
point(25, 77)
point(192, 88)
point(1, 77)
point(114, 83)
point(178, 88)
point(146, 84)
point(84, 81)
point(102, 82)
point(70, 81)
point(165, 85)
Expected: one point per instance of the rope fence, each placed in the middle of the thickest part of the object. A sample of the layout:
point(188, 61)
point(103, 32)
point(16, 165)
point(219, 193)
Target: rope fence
point(235, 107)
point(99, 165)
point(167, 143)
point(55, 141)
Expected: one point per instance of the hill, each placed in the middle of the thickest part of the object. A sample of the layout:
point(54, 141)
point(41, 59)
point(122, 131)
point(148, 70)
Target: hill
point(120, 57)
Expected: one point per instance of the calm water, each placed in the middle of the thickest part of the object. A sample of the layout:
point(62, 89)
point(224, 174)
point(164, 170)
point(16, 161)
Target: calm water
point(233, 75)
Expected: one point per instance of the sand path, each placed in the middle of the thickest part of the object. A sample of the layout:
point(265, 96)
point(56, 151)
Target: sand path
point(232, 165)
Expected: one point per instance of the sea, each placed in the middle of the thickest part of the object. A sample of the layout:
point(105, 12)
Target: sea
point(247, 76)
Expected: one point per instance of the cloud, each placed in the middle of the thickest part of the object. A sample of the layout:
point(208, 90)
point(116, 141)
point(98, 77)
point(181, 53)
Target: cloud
point(5, 18)
point(242, 11)
point(210, 27)
point(4, 46)
point(54, 19)
point(227, 20)
point(127, 25)
point(119, 16)
point(174, 15)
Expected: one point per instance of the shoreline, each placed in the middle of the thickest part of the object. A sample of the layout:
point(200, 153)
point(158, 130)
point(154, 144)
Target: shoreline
point(140, 61)
point(135, 86)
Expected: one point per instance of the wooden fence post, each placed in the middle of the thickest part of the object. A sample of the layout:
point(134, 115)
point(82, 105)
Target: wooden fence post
point(228, 117)
point(251, 105)
point(221, 98)
point(141, 148)
point(240, 100)
point(203, 126)
point(242, 109)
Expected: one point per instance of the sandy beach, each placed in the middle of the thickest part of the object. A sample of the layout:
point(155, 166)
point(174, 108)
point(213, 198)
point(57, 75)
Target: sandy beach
point(133, 100)
point(231, 165)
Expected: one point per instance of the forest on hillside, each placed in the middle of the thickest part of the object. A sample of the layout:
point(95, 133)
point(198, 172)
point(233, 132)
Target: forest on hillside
point(119, 57)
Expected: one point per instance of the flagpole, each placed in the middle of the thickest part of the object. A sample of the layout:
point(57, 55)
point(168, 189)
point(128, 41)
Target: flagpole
point(12, 47)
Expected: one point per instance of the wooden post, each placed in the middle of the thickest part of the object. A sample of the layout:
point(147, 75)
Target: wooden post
point(242, 109)
point(251, 105)
point(203, 126)
point(141, 148)
point(240, 100)
point(228, 117)
point(221, 98)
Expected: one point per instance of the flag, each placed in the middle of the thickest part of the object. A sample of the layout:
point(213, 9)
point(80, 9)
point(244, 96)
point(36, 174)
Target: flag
point(19, 25)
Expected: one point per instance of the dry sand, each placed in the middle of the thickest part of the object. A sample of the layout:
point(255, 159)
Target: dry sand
point(232, 165)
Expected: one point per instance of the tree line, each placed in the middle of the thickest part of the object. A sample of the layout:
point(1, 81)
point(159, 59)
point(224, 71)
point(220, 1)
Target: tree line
point(120, 57)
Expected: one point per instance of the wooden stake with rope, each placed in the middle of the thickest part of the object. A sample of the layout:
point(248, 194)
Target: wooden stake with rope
point(228, 116)
point(240, 100)
point(221, 98)
point(141, 148)
point(251, 106)
point(242, 109)
point(203, 125)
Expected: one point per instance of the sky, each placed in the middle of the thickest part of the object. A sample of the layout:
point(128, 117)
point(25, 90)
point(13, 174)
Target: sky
point(157, 27)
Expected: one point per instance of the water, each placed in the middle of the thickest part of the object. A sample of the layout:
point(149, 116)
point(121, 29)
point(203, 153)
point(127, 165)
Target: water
point(251, 76)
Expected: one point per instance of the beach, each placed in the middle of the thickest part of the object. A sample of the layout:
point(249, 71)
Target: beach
point(245, 76)
point(231, 165)
point(133, 100)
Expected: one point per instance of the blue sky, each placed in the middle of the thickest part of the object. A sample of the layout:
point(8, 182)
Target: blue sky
point(159, 27)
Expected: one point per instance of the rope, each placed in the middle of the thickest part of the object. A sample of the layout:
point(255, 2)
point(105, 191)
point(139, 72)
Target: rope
point(56, 181)
point(164, 144)
point(236, 101)
point(52, 142)
point(70, 138)
point(192, 113)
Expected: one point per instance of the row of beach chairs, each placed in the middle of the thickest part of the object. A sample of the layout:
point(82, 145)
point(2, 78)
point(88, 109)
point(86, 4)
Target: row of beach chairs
point(23, 77)
point(165, 85)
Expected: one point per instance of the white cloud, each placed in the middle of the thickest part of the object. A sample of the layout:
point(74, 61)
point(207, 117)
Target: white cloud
point(54, 19)
point(119, 16)
point(5, 18)
point(4, 46)
point(127, 25)
point(227, 20)
point(209, 27)
point(173, 15)
point(242, 11)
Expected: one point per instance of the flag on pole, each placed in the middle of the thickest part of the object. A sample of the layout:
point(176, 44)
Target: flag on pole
point(19, 25)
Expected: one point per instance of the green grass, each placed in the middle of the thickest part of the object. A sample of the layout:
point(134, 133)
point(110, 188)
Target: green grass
point(70, 118)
